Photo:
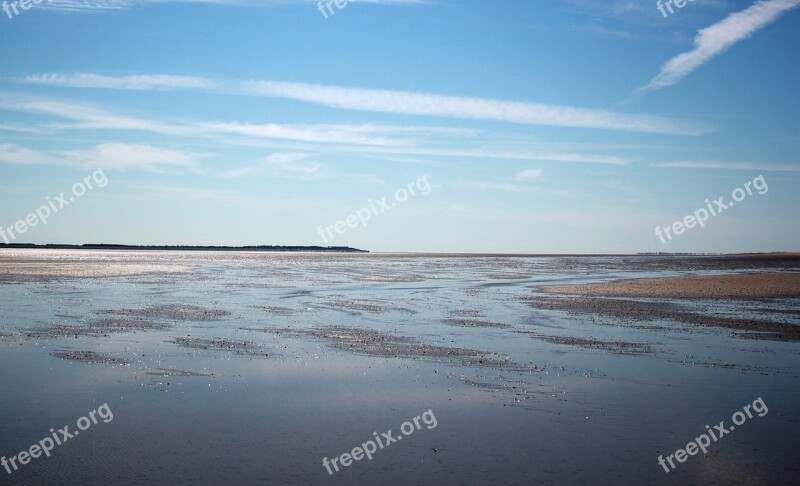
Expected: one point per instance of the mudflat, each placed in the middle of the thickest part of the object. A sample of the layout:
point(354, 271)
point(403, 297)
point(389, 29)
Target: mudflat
point(740, 286)
point(244, 366)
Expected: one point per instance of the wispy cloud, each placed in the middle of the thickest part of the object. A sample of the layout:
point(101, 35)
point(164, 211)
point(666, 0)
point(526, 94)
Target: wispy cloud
point(93, 117)
point(559, 193)
point(109, 156)
point(10, 127)
point(520, 155)
point(529, 174)
point(198, 196)
point(124, 156)
point(395, 102)
point(525, 175)
point(716, 39)
point(490, 186)
point(728, 165)
point(132, 82)
point(355, 134)
point(387, 140)
point(289, 165)
point(87, 116)
point(14, 154)
point(79, 6)
point(426, 104)
point(403, 160)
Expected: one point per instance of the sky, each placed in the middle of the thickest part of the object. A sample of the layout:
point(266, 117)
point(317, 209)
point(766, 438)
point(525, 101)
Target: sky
point(508, 126)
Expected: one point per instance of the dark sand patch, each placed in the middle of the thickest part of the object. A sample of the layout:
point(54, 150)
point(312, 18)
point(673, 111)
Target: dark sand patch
point(6, 279)
point(177, 312)
point(366, 307)
point(679, 263)
point(179, 373)
point(127, 324)
point(375, 343)
point(518, 388)
point(744, 368)
point(392, 278)
point(221, 344)
point(631, 311)
point(616, 347)
point(96, 328)
point(379, 344)
point(59, 331)
point(788, 312)
point(462, 322)
point(508, 277)
point(276, 310)
point(746, 286)
point(88, 357)
point(257, 286)
point(466, 313)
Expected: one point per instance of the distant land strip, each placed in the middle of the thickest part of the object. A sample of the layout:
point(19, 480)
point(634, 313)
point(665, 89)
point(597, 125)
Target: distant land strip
point(105, 246)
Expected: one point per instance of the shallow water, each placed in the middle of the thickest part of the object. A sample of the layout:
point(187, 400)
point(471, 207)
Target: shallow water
point(252, 367)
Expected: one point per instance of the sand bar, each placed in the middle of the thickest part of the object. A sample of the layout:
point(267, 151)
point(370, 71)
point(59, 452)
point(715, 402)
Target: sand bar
point(744, 286)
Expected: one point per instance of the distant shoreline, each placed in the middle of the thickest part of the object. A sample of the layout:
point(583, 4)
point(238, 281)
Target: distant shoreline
point(349, 250)
point(104, 246)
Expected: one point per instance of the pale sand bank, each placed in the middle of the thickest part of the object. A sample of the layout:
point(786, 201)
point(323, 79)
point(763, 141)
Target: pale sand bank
point(747, 286)
point(86, 270)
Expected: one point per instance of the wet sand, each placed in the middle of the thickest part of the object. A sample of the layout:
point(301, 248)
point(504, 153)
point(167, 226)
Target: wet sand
point(172, 311)
point(88, 357)
point(51, 270)
point(617, 347)
point(747, 286)
point(254, 366)
point(614, 299)
point(635, 313)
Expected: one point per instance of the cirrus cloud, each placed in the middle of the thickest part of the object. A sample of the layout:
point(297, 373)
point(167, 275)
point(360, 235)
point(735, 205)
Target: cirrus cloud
point(717, 38)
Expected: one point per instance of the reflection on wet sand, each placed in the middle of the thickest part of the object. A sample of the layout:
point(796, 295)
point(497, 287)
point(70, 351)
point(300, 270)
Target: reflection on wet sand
point(526, 357)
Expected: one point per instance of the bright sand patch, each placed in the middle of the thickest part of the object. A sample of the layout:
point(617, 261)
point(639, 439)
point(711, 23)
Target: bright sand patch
point(747, 286)
point(86, 270)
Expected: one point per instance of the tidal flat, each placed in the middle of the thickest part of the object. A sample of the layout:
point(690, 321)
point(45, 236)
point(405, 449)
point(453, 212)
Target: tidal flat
point(248, 367)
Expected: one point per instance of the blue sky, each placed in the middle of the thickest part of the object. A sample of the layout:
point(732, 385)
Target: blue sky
point(542, 126)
